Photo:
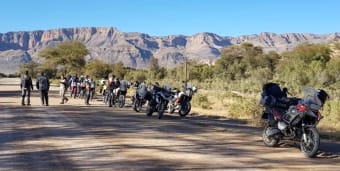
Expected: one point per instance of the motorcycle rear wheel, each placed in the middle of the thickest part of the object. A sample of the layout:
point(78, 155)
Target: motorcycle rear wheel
point(269, 141)
point(311, 146)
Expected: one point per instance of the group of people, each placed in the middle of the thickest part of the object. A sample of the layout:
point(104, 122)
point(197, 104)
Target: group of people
point(83, 87)
point(26, 85)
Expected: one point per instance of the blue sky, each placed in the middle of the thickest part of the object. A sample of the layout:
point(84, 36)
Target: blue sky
point(172, 17)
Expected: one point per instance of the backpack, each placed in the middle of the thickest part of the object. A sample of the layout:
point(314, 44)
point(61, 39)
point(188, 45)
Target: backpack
point(93, 84)
point(43, 83)
point(124, 86)
point(82, 84)
point(73, 83)
point(87, 85)
point(271, 92)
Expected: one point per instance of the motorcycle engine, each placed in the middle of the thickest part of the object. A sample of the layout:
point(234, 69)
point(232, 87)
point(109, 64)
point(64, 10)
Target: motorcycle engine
point(282, 125)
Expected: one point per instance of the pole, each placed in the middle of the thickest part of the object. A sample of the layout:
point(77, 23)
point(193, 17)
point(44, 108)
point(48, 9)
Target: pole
point(186, 71)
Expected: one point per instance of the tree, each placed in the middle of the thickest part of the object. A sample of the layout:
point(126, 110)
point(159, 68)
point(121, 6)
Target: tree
point(154, 67)
point(237, 61)
point(119, 70)
point(306, 65)
point(31, 67)
point(35, 68)
point(310, 52)
point(65, 57)
point(153, 64)
point(98, 69)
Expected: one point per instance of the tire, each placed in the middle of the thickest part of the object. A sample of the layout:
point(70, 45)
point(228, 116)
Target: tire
point(110, 101)
point(311, 146)
point(161, 109)
point(121, 101)
point(149, 110)
point(269, 141)
point(137, 105)
point(185, 109)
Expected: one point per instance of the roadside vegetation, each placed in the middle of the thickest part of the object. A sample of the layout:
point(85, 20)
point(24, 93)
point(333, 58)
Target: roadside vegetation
point(232, 86)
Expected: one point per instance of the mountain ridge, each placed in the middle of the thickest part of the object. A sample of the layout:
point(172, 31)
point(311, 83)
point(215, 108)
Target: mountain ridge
point(135, 49)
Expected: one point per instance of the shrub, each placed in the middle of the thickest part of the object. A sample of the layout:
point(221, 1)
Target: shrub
point(202, 101)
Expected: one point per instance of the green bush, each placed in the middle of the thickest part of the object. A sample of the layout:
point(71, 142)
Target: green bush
point(202, 101)
point(246, 108)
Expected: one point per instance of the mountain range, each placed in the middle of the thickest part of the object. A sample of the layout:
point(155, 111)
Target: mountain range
point(135, 49)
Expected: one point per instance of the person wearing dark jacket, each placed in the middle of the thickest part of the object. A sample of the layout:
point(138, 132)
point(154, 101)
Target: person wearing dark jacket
point(43, 85)
point(26, 87)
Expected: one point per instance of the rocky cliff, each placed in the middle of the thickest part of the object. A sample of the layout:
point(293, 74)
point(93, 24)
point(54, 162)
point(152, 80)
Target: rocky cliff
point(135, 49)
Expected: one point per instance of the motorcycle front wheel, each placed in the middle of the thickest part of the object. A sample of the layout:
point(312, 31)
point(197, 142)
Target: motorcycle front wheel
point(121, 101)
point(137, 105)
point(270, 141)
point(150, 108)
point(185, 109)
point(310, 143)
point(161, 109)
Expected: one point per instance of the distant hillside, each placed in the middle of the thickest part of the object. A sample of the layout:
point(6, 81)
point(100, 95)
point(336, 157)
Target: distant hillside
point(135, 49)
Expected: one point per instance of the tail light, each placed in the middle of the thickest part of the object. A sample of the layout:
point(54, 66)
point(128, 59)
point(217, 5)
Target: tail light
point(277, 115)
point(301, 108)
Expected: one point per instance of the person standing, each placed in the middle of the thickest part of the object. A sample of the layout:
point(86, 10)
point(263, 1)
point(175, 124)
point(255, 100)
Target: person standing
point(93, 88)
point(26, 87)
point(88, 82)
point(63, 88)
point(43, 85)
point(73, 86)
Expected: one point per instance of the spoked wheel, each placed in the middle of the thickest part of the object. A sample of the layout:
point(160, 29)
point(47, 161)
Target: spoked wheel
point(310, 142)
point(185, 109)
point(150, 109)
point(121, 101)
point(270, 141)
point(137, 105)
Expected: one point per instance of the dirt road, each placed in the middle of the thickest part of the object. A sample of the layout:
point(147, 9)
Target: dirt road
point(79, 137)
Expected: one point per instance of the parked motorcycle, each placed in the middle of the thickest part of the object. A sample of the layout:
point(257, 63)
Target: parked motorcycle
point(159, 101)
point(120, 93)
point(294, 119)
point(181, 101)
point(140, 97)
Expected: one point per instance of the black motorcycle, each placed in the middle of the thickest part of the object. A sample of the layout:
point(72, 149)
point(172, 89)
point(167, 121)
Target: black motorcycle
point(159, 101)
point(140, 97)
point(294, 119)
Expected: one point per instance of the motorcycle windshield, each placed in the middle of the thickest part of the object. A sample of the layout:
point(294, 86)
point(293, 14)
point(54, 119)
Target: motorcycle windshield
point(311, 98)
point(189, 89)
point(189, 86)
point(167, 87)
